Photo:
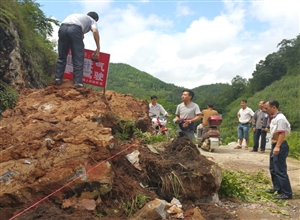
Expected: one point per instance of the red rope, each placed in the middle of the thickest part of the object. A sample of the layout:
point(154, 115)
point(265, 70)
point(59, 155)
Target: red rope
point(35, 204)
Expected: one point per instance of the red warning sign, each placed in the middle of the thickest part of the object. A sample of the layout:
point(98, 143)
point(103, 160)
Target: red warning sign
point(94, 73)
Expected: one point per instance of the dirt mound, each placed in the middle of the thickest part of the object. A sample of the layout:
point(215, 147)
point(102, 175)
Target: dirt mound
point(181, 171)
point(57, 140)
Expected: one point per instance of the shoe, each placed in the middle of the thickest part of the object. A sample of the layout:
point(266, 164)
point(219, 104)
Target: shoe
point(58, 82)
point(246, 148)
point(261, 151)
point(253, 150)
point(237, 147)
point(77, 86)
point(283, 196)
point(271, 191)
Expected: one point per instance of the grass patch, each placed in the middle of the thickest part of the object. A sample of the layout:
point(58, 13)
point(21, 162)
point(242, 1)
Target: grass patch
point(134, 204)
point(294, 143)
point(247, 187)
point(8, 97)
point(124, 129)
point(148, 138)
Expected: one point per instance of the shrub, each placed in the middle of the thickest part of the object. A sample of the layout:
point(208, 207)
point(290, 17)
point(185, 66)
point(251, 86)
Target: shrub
point(294, 143)
point(8, 97)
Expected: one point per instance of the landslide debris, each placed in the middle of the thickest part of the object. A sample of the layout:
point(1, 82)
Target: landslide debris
point(61, 138)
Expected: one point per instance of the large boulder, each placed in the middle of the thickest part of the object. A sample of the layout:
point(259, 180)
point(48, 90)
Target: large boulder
point(180, 171)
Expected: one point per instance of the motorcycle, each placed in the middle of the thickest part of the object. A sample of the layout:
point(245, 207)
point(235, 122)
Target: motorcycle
point(159, 123)
point(211, 140)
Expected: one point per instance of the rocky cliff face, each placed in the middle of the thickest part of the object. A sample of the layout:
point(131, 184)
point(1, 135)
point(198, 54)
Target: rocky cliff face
point(16, 68)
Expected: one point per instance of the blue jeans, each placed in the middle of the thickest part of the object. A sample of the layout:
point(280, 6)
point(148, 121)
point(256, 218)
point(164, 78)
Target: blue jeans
point(260, 133)
point(278, 170)
point(243, 131)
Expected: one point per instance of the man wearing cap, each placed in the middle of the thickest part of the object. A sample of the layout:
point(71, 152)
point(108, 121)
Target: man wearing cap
point(71, 34)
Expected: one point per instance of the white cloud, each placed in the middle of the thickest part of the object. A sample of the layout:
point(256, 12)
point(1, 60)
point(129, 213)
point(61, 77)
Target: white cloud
point(101, 7)
point(276, 13)
point(183, 10)
point(204, 36)
point(207, 51)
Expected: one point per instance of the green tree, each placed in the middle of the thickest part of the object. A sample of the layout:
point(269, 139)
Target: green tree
point(267, 71)
point(290, 53)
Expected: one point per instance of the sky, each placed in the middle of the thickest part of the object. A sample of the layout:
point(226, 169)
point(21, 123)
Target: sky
point(186, 43)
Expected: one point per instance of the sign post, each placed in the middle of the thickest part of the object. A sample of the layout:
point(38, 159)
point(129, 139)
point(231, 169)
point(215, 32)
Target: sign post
point(94, 73)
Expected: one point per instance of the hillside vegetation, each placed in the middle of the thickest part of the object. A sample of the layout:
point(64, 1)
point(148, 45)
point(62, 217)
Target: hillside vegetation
point(24, 32)
point(126, 79)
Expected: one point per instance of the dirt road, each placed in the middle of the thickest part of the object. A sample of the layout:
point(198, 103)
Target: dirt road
point(253, 162)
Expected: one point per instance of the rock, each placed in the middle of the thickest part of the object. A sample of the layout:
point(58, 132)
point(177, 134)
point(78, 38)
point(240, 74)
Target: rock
point(88, 204)
point(154, 210)
point(12, 63)
point(197, 214)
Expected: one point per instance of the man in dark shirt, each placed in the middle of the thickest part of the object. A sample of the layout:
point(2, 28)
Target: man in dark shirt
point(260, 126)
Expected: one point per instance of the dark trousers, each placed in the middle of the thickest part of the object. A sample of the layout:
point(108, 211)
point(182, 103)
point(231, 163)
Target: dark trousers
point(278, 170)
point(260, 133)
point(70, 36)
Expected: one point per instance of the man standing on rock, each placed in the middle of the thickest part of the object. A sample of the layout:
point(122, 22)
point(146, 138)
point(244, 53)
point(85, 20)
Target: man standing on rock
point(244, 116)
point(279, 129)
point(187, 113)
point(71, 34)
point(260, 126)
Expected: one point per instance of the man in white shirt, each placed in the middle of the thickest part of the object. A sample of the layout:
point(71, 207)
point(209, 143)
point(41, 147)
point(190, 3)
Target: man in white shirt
point(244, 115)
point(187, 113)
point(71, 34)
point(279, 129)
point(156, 109)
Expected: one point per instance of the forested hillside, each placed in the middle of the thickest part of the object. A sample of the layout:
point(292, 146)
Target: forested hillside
point(213, 93)
point(126, 79)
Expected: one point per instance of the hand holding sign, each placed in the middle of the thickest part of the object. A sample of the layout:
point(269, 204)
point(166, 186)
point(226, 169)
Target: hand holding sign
point(95, 57)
